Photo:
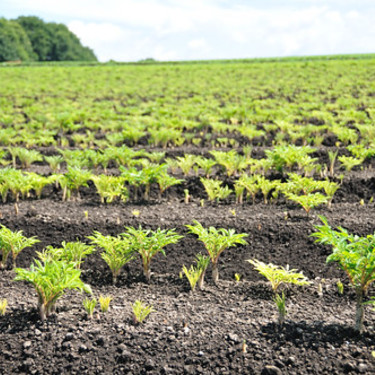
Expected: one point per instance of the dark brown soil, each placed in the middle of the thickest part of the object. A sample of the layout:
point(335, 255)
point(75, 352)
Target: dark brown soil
point(200, 333)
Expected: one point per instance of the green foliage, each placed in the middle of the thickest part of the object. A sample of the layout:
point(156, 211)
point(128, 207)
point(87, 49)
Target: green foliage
point(54, 42)
point(110, 187)
point(141, 311)
point(72, 180)
point(70, 252)
point(216, 241)
point(231, 161)
point(148, 243)
point(308, 201)
point(104, 302)
point(196, 274)
point(165, 181)
point(117, 252)
point(14, 42)
point(13, 243)
point(50, 279)
point(350, 162)
point(278, 275)
point(355, 255)
point(214, 189)
point(89, 305)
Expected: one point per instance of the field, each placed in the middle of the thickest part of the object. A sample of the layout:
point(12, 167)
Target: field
point(264, 148)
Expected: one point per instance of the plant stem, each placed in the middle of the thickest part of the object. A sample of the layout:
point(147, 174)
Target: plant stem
point(215, 272)
point(360, 311)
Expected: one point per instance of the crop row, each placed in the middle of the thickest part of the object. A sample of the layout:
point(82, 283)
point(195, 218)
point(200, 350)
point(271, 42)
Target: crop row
point(58, 269)
point(227, 105)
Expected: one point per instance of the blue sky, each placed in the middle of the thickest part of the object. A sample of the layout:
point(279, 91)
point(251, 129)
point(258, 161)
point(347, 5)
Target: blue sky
point(130, 30)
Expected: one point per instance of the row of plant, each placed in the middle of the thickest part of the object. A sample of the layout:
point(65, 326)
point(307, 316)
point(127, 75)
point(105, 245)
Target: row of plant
point(281, 158)
point(173, 105)
point(58, 269)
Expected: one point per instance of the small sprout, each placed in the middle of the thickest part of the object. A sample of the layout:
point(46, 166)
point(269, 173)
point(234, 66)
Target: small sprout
point(86, 213)
point(233, 212)
point(237, 277)
point(286, 215)
point(202, 202)
point(136, 213)
point(104, 302)
point(187, 196)
point(362, 202)
point(371, 200)
point(373, 353)
point(244, 346)
point(320, 289)
point(141, 311)
point(3, 306)
point(340, 287)
point(89, 305)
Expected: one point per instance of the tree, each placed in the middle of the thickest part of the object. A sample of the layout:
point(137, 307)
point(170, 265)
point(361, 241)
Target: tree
point(14, 42)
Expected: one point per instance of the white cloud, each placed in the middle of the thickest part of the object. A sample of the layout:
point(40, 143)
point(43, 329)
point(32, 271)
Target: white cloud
point(182, 29)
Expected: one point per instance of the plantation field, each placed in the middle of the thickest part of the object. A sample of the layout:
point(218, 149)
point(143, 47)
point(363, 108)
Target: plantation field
point(265, 148)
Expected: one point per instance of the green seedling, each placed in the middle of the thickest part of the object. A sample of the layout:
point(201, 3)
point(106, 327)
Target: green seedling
point(104, 302)
point(309, 201)
point(196, 274)
point(355, 255)
point(3, 306)
point(340, 287)
point(110, 187)
point(50, 279)
point(141, 311)
point(215, 242)
point(278, 276)
point(148, 243)
point(89, 305)
point(71, 252)
point(13, 243)
point(237, 277)
point(214, 189)
point(349, 162)
point(117, 252)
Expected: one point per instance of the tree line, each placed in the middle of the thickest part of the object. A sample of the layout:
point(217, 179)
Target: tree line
point(32, 39)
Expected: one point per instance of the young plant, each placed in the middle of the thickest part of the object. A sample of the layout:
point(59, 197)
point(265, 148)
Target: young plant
point(110, 187)
point(196, 274)
point(73, 180)
point(206, 165)
point(14, 243)
point(3, 306)
point(54, 162)
point(71, 252)
point(332, 160)
point(355, 255)
point(89, 305)
point(186, 162)
point(277, 276)
point(349, 162)
point(165, 181)
point(148, 243)
point(117, 252)
point(214, 189)
point(50, 279)
point(215, 242)
point(309, 201)
point(104, 302)
point(141, 311)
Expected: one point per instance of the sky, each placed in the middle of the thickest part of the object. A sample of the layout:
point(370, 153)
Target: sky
point(132, 30)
